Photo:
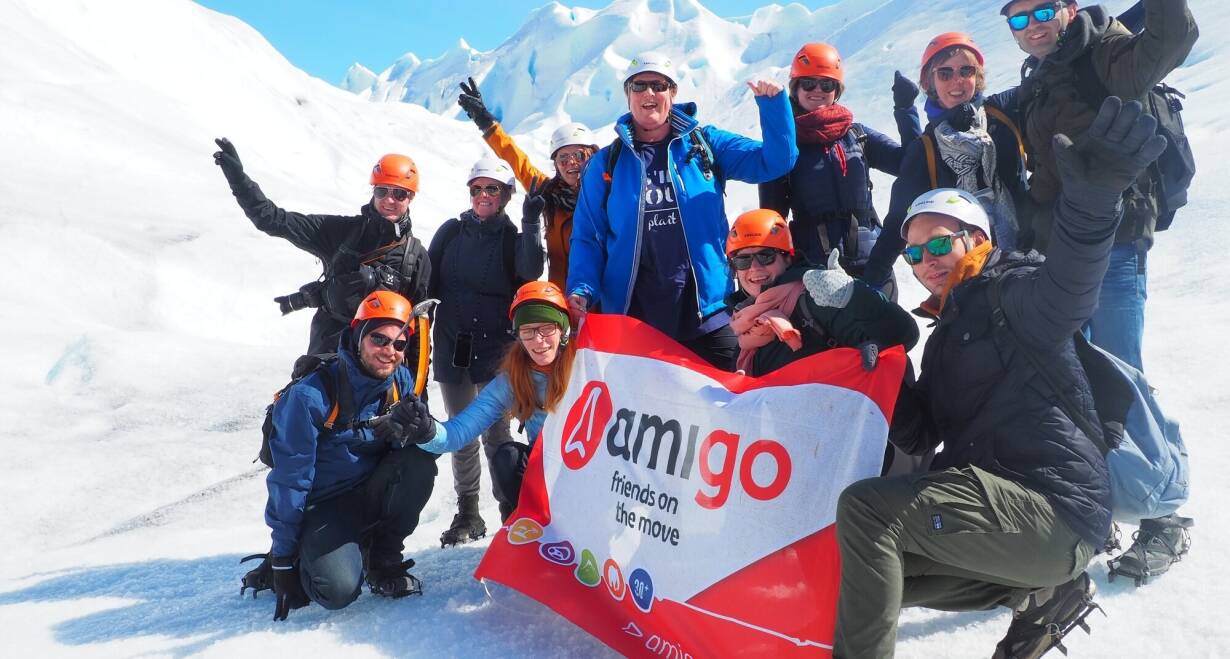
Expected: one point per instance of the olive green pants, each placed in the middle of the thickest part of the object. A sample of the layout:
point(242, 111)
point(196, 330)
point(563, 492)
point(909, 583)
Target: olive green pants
point(956, 540)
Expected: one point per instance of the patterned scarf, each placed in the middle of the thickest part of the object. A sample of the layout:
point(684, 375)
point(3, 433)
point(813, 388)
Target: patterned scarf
point(970, 154)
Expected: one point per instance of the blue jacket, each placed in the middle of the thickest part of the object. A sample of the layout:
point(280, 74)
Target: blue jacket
point(492, 403)
point(309, 464)
point(606, 239)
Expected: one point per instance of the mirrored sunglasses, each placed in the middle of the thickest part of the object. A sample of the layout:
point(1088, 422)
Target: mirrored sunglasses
point(380, 192)
point(380, 341)
point(826, 85)
point(575, 156)
point(490, 190)
point(946, 73)
point(938, 246)
point(744, 261)
point(1042, 14)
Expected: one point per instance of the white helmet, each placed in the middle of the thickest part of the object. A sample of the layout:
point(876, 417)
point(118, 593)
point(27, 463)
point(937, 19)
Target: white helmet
point(654, 62)
point(957, 204)
point(573, 134)
point(493, 168)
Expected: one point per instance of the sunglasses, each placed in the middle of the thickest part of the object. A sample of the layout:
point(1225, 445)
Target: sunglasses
point(578, 156)
point(380, 192)
point(544, 331)
point(946, 73)
point(491, 190)
point(744, 261)
point(826, 85)
point(380, 341)
point(938, 246)
point(658, 86)
point(1042, 14)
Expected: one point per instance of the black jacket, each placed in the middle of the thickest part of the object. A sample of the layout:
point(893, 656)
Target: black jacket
point(342, 242)
point(477, 266)
point(915, 179)
point(984, 400)
point(869, 316)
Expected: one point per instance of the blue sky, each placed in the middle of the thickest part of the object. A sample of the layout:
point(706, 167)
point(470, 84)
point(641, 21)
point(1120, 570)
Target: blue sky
point(323, 37)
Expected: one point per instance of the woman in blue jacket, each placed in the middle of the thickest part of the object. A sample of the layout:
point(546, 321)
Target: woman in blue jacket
point(649, 232)
point(827, 195)
point(971, 144)
point(531, 382)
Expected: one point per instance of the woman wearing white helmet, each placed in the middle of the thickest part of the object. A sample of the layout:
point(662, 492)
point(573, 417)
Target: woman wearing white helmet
point(478, 260)
point(571, 146)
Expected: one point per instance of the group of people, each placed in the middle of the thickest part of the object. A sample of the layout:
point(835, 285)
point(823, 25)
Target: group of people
point(1030, 209)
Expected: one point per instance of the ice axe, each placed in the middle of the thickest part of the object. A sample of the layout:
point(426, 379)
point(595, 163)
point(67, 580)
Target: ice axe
point(422, 319)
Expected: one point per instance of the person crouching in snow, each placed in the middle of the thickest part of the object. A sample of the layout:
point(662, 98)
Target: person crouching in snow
point(571, 146)
point(531, 382)
point(786, 308)
point(342, 496)
point(1018, 501)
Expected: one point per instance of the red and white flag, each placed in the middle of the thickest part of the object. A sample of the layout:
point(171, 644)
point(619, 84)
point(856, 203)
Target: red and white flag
point(674, 510)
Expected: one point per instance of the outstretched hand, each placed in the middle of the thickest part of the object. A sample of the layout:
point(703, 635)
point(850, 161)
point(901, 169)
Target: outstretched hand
point(535, 201)
point(1120, 143)
point(471, 100)
point(764, 88)
point(228, 159)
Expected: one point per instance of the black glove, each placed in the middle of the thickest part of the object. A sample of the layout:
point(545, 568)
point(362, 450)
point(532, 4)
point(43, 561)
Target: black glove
point(228, 160)
point(1120, 143)
point(905, 91)
point(471, 101)
point(961, 118)
point(408, 423)
point(287, 587)
point(535, 202)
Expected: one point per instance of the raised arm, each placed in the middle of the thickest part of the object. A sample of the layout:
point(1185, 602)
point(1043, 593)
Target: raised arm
point(744, 159)
point(1122, 141)
point(1129, 65)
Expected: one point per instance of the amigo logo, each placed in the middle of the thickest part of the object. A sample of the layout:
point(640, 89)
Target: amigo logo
point(584, 425)
point(649, 440)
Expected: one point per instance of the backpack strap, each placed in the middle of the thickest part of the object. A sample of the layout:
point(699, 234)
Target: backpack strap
point(929, 149)
point(342, 412)
point(1003, 118)
point(608, 170)
point(1000, 320)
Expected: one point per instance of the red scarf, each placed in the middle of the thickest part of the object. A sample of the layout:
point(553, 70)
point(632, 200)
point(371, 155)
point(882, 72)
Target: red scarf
point(825, 125)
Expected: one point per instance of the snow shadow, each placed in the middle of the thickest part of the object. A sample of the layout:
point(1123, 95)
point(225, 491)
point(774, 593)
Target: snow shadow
point(198, 601)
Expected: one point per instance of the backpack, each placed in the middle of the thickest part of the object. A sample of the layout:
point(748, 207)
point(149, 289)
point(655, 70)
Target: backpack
point(349, 276)
point(1143, 447)
point(700, 149)
point(342, 409)
point(1171, 174)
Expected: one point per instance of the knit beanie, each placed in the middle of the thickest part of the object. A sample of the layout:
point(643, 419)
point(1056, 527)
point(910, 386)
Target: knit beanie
point(539, 313)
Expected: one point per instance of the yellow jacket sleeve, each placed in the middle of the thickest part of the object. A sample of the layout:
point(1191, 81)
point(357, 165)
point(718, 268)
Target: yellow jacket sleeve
point(504, 147)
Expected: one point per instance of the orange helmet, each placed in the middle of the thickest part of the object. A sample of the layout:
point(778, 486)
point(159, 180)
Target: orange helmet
point(398, 171)
point(543, 292)
point(946, 40)
point(759, 228)
point(817, 60)
point(386, 305)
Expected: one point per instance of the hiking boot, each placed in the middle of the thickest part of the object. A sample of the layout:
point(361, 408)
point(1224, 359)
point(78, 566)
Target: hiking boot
point(467, 525)
point(259, 578)
point(1045, 618)
point(1156, 545)
point(394, 580)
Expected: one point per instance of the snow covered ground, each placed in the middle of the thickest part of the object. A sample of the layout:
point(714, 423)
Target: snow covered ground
point(140, 344)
